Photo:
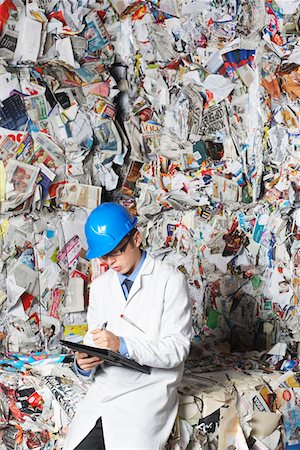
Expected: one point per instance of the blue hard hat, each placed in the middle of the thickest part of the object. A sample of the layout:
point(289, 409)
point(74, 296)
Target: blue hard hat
point(105, 228)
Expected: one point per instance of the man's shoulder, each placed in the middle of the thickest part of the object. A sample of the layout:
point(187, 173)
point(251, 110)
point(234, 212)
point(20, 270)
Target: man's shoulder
point(166, 268)
point(103, 278)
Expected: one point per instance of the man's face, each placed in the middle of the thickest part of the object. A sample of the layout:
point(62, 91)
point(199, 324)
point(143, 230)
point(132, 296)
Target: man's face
point(126, 256)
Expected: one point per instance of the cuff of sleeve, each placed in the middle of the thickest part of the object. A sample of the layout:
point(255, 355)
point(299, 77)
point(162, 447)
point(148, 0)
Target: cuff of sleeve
point(85, 373)
point(123, 348)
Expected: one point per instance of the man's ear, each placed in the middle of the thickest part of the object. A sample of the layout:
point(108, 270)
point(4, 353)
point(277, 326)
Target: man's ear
point(137, 238)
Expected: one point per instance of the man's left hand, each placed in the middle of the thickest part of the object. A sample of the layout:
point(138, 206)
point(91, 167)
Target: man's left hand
point(106, 339)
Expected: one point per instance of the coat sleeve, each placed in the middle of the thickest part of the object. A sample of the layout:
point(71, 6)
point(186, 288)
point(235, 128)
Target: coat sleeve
point(173, 344)
point(94, 318)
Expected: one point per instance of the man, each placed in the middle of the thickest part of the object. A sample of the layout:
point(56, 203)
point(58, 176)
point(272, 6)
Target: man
point(140, 308)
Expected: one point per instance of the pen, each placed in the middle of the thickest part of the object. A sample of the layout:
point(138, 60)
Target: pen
point(131, 323)
point(104, 325)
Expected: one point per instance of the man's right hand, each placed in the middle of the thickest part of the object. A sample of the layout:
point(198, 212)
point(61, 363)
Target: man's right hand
point(87, 362)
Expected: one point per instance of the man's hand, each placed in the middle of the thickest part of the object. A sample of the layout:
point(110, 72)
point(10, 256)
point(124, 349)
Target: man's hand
point(87, 362)
point(106, 339)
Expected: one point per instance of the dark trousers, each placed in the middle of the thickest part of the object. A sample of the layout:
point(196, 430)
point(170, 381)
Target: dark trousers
point(94, 440)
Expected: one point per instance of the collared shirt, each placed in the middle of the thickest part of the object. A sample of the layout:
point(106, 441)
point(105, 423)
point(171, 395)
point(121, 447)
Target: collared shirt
point(133, 275)
point(123, 347)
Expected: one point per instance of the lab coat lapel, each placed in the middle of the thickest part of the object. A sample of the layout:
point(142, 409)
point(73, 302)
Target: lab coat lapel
point(118, 291)
point(146, 269)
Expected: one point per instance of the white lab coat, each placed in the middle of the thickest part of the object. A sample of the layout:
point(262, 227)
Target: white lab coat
point(138, 410)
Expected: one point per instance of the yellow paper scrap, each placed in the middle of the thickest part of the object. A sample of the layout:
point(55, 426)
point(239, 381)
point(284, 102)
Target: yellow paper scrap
point(3, 228)
point(2, 182)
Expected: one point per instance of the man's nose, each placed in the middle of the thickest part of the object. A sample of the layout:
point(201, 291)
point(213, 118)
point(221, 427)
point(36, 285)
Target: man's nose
point(110, 259)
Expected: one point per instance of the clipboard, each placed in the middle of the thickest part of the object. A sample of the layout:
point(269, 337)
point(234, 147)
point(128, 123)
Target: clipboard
point(110, 357)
